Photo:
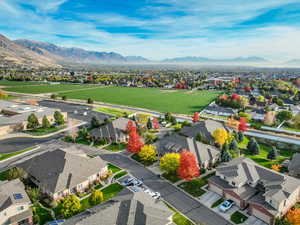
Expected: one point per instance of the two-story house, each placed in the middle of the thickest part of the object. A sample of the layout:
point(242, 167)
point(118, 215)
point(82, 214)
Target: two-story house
point(14, 204)
point(265, 193)
point(60, 172)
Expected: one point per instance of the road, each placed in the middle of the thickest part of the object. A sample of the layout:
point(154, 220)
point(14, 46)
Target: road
point(187, 205)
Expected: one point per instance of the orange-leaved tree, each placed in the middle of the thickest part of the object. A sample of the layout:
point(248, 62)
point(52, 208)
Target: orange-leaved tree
point(293, 216)
point(188, 166)
point(134, 143)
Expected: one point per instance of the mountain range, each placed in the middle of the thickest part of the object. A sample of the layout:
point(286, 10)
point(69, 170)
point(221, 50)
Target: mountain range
point(44, 54)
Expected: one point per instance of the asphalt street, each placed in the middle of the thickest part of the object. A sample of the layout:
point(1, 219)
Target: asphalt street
point(178, 199)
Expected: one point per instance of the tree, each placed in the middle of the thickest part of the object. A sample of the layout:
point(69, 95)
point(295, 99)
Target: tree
point(276, 167)
point(95, 122)
point(225, 156)
point(90, 101)
point(220, 136)
point(232, 123)
point(173, 120)
point(3, 94)
point(269, 118)
point(243, 124)
point(234, 146)
point(32, 122)
point(45, 123)
point(34, 194)
point(240, 137)
point(96, 197)
point(59, 118)
point(293, 216)
point(252, 147)
point(70, 206)
point(64, 98)
point(273, 154)
point(188, 166)
point(155, 123)
point(130, 126)
point(169, 163)
point(15, 173)
point(148, 153)
point(149, 124)
point(134, 143)
point(284, 116)
point(168, 116)
point(53, 96)
point(83, 133)
point(196, 117)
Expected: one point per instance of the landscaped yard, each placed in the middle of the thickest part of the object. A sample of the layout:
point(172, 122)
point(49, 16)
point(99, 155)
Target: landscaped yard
point(138, 159)
point(18, 83)
point(121, 174)
point(43, 215)
point(44, 131)
point(113, 111)
point(116, 147)
point(238, 217)
point(171, 177)
point(217, 203)
point(9, 155)
point(178, 218)
point(4, 175)
point(194, 187)
point(262, 157)
point(114, 169)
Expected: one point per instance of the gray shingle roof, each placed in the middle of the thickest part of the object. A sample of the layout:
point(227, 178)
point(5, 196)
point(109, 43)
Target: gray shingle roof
point(59, 170)
point(175, 143)
point(295, 163)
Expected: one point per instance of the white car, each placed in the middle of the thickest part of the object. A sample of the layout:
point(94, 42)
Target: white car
point(225, 206)
point(155, 195)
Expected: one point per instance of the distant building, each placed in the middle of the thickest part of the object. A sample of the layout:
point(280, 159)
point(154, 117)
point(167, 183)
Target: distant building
point(14, 115)
point(219, 111)
point(14, 204)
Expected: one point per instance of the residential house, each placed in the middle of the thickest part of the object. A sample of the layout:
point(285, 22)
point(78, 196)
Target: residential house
point(126, 209)
point(265, 194)
point(294, 166)
point(205, 127)
point(295, 109)
point(14, 204)
point(207, 155)
point(114, 131)
point(59, 173)
point(219, 111)
point(258, 114)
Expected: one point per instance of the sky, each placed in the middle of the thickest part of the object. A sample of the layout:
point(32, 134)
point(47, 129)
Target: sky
point(158, 29)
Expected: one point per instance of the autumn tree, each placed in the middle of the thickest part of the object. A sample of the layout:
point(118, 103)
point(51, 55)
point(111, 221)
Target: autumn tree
point(188, 166)
point(293, 216)
point(45, 123)
point(232, 123)
point(3, 94)
point(243, 124)
point(148, 153)
point(155, 123)
point(32, 122)
point(96, 197)
point(134, 143)
point(130, 126)
point(276, 167)
point(169, 163)
point(196, 117)
point(70, 206)
point(220, 136)
point(273, 153)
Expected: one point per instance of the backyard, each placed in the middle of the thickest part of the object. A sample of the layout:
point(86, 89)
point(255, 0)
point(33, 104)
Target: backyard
point(187, 102)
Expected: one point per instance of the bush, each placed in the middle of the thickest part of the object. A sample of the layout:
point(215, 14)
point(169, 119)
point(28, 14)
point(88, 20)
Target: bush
point(64, 97)
point(90, 101)
point(53, 96)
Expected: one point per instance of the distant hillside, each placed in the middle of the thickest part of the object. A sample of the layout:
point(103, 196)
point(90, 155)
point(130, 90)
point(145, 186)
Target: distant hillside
point(137, 59)
point(74, 54)
point(12, 53)
point(293, 62)
point(195, 59)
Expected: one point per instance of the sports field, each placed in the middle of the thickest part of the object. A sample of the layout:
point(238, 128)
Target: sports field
point(175, 101)
point(55, 88)
point(182, 102)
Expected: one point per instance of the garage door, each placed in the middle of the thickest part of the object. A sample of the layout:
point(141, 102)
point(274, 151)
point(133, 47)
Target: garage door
point(229, 196)
point(261, 215)
point(216, 189)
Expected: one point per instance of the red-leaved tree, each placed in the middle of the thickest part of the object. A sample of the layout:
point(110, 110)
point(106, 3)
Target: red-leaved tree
point(155, 123)
point(134, 143)
point(130, 126)
point(188, 166)
point(196, 117)
point(235, 97)
point(243, 124)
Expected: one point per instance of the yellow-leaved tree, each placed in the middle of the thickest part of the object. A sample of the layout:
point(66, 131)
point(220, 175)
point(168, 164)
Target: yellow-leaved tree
point(220, 136)
point(148, 153)
point(3, 94)
point(169, 163)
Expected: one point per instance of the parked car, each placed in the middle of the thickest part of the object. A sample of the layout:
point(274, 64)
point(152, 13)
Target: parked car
point(137, 182)
point(225, 206)
point(128, 181)
point(155, 195)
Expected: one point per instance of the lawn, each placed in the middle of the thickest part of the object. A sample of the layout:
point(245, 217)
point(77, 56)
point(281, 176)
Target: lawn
point(9, 155)
point(171, 177)
point(18, 83)
point(44, 215)
point(262, 157)
point(4, 175)
point(121, 174)
point(47, 88)
point(113, 111)
point(194, 187)
point(138, 159)
point(111, 190)
point(44, 131)
point(113, 168)
point(217, 203)
point(178, 218)
point(238, 217)
point(116, 147)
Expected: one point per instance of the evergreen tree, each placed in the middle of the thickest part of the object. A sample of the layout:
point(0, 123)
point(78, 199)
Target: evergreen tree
point(272, 155)
point(149, 124)
point(32, 122)
point(225, 156)
point(240, 137)
point(252, 147)
point(234, 146)
point(59, 118)
point(95, 122)
point(45, 123)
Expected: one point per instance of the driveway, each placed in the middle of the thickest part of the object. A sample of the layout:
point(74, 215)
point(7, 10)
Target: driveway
point(187, 205)
point(209, 198)
point(252, 220)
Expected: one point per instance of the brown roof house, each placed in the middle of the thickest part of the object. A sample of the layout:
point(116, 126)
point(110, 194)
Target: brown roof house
point(114, 131)
point(59, 173)
point(207, 155)
point(14, 204)
point(265, 193)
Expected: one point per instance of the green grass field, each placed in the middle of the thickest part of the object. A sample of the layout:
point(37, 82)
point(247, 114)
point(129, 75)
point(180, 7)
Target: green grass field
point(55, 88)
point(17, 83)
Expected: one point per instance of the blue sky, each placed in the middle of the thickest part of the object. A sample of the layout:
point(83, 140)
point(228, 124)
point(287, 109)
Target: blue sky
point(160, 29)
